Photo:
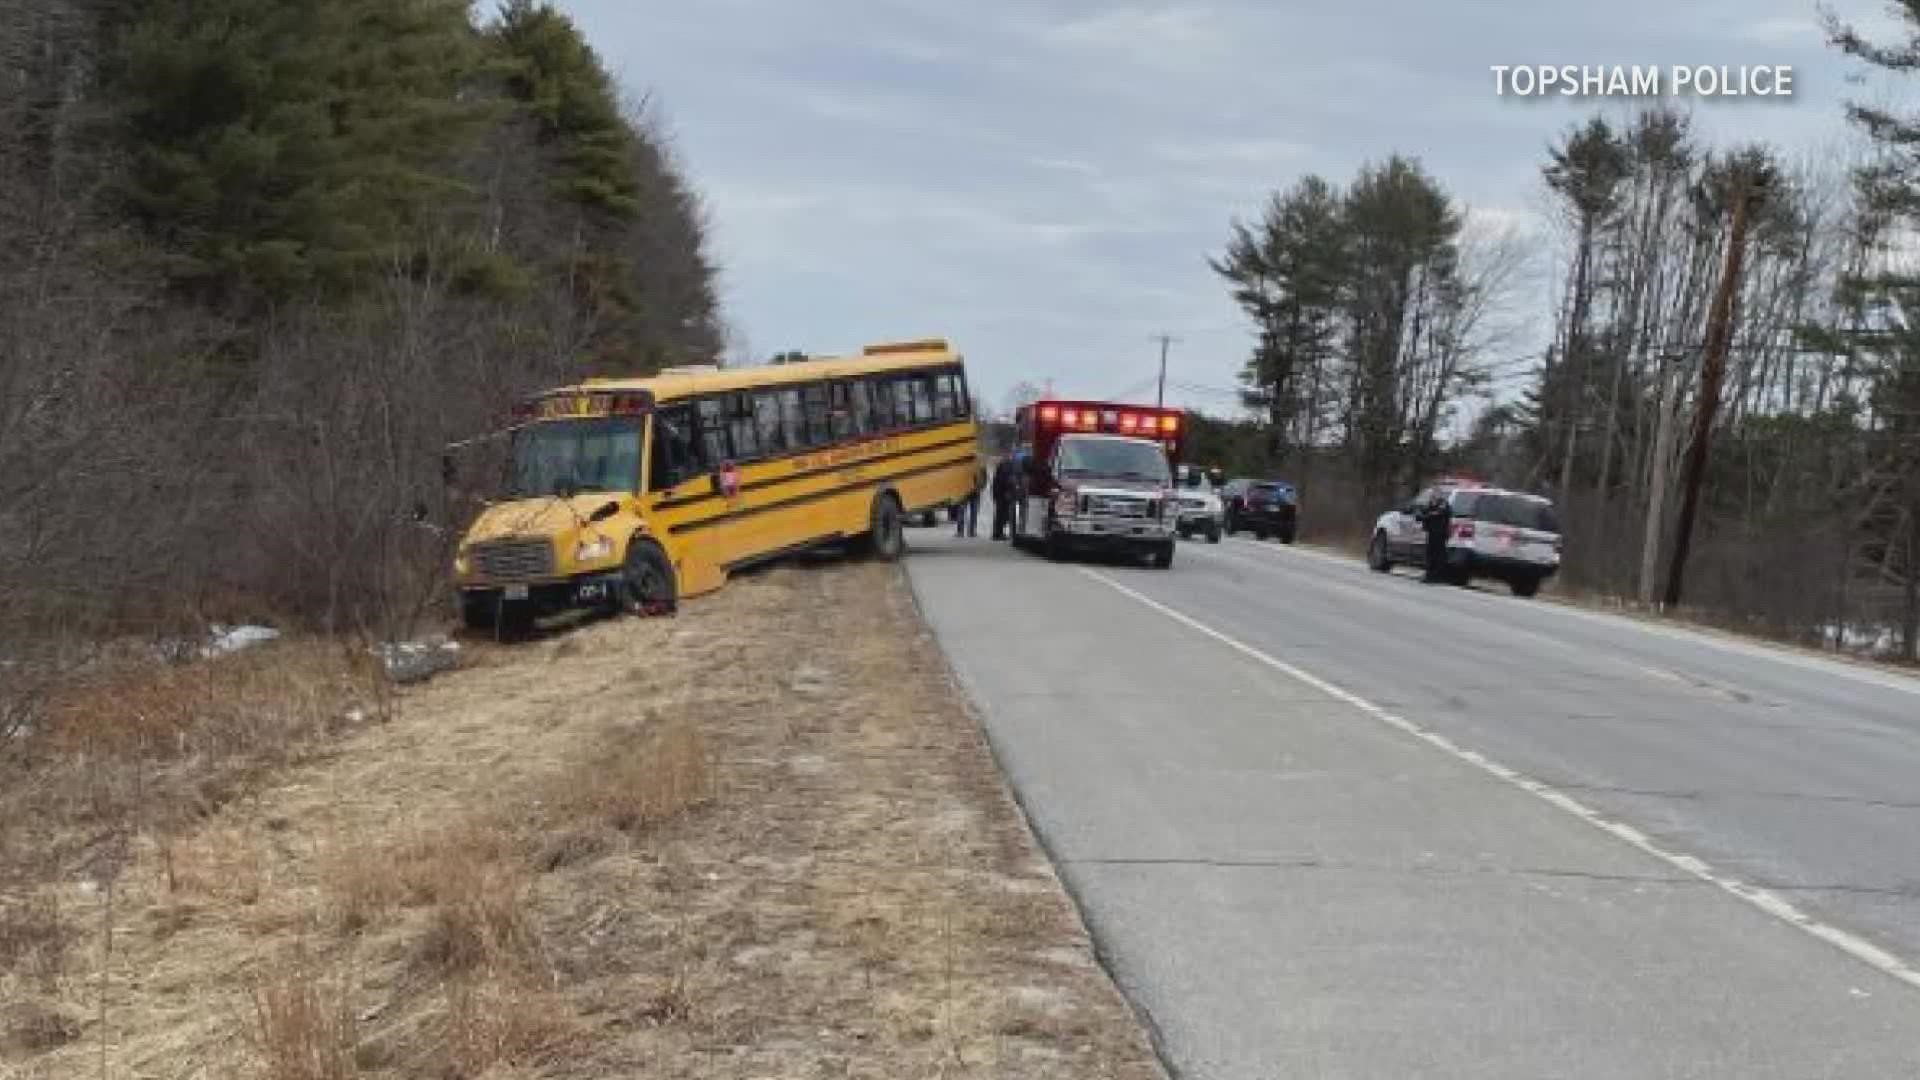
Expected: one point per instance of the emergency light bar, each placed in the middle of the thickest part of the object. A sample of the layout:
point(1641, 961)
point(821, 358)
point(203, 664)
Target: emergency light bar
point(1114, 419)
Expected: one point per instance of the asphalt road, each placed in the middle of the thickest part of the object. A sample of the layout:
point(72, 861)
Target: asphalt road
point(1329, 823)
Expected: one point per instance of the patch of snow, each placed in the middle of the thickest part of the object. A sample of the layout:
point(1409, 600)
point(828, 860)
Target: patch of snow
point(1869, 639)
point(232, 639)
point(417, 661)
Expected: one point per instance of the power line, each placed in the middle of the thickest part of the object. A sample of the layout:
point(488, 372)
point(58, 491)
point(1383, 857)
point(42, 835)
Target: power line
point(1130, 389)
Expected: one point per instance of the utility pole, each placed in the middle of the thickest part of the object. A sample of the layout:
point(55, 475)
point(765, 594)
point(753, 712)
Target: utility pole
point(1160, 397)
point(1713, 369)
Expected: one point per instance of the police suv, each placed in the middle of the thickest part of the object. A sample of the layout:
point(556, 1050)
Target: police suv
point(1509, 536)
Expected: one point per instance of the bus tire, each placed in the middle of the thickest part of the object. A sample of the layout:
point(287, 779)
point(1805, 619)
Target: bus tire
point(646, 581)
point(886, 537)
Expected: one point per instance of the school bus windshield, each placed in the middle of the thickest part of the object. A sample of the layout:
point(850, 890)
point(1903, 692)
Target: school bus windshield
point(562, 457)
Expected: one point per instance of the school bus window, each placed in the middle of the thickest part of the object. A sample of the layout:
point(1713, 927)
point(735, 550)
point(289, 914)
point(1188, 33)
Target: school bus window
point(713, 430)
point(860, 404)
point(766, 422)
point(840, 411)
point(792, 419)
point(674, 458)
point(945, 406)
point(902, 401)
point(813, 398)
point(880, 392)
point(740, 427)
point(922, 390)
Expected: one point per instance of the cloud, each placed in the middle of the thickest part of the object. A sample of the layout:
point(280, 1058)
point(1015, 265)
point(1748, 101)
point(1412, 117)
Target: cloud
point(1246, 151)
point(1494, 220)
point(1783, 30)
point(1041, 182)
point(1171, 35)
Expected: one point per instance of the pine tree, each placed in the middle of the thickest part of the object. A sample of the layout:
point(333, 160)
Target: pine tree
point(1890, 518)
point(634, 254)
point(280, 145)
point(1286, 274)
point(1403, 234)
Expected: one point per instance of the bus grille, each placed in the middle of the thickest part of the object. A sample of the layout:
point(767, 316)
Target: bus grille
point(513, 560)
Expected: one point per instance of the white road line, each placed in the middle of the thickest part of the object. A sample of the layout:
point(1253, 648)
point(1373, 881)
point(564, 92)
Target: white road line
point(1752, 650)
point(1766, 901)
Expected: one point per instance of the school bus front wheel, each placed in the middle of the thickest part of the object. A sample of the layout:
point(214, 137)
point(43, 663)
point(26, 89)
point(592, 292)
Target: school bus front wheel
point(648, 586)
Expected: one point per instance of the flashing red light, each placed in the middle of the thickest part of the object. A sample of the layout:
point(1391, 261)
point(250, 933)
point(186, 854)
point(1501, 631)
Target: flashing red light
point(1070, 417)
point(1129, 421)
point(1169, 423)
point(1048, 414)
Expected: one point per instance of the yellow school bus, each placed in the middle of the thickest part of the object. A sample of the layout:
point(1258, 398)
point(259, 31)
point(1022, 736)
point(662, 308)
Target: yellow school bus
point(633, 493)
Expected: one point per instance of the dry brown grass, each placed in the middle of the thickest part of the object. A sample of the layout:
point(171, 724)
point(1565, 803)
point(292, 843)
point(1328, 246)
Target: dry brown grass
point(637, 779)
point(34, 939)
point(479, 919)
point(154, 749)
point(493, 1023)
point(304, 1027)
point(587, 856)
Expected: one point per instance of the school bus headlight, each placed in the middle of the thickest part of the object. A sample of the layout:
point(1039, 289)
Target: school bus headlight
point(597, 548)
point(462, 564)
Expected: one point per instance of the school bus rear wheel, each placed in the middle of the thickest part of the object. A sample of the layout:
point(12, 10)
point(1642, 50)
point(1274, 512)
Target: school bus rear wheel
point(886, 539)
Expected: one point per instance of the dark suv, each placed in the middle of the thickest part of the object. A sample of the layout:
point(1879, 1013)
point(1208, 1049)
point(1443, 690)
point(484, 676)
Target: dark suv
point(1266, 507)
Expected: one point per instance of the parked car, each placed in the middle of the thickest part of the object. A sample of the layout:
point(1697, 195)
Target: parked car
point(1200, 509)
point(1263, 507)
point(1510, 536)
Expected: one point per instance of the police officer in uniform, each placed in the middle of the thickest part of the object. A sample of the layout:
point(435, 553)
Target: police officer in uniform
point(1437, 518)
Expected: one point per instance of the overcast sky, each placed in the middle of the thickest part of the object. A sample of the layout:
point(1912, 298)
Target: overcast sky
point(1041, 182)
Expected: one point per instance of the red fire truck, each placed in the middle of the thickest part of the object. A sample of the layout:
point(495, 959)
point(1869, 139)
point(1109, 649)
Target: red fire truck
point(1097, 475)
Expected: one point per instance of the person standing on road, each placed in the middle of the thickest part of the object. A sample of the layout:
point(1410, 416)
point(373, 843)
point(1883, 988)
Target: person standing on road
point(1003, 495)
point(1437, 518)
point(967, 521)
